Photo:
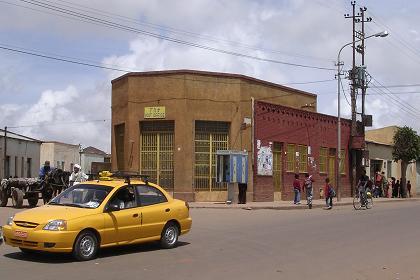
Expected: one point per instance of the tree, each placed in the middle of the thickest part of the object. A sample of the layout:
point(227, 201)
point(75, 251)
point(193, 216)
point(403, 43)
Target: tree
point(406, 148)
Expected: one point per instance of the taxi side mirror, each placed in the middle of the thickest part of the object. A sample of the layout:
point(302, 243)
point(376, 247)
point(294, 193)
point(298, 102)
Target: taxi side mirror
point(112, 207)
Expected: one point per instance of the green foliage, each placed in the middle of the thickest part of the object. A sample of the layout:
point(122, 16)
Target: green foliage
point(406, 144)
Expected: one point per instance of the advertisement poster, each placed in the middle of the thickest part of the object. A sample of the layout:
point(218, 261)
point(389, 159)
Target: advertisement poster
point(265, 160)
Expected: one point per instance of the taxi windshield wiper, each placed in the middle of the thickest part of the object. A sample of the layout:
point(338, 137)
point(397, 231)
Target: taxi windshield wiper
point(74, 205)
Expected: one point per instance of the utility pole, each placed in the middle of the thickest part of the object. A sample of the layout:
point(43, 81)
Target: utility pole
point(361, 49)
point(5, 153)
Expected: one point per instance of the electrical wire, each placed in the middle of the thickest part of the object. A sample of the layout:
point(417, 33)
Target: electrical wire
point(176, 30)
point(91, 63)
point(56, 123)
point(118, 26)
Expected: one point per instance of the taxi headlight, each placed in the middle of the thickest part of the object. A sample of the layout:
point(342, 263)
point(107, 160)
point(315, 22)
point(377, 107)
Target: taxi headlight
point(56, 225)
point(10, 221)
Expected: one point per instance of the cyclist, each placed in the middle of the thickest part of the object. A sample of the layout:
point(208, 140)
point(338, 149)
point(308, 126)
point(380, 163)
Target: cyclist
point(361, 187)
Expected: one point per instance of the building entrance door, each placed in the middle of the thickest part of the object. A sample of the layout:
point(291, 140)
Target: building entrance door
point(156, 152)
point(210, 137)
point(277, 170)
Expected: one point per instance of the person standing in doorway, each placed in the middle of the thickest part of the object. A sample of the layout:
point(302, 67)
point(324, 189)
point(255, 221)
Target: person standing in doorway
point(307, 186)
point(297, 189)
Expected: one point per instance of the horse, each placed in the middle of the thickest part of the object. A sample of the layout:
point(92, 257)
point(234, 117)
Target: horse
point(56, 180)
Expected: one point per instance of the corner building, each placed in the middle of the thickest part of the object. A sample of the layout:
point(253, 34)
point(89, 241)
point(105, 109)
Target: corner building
point(169, 125)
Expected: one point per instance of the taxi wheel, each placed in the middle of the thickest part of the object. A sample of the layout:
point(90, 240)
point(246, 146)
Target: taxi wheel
point(86, 246)
point(169, 236)
point(17, 198)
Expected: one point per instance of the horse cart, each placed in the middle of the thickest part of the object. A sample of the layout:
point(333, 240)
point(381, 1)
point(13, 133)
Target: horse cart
point(32, 189)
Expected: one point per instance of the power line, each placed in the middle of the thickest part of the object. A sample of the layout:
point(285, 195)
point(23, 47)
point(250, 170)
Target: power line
point(118, 26)
point(57, 123)
point(91, 63)
point(176, 30)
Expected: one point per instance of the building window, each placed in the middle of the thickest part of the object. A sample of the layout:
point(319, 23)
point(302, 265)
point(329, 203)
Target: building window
point(323, 155)
point(22, 167)
point(28, 167)
point(303, 158)
point(16, 167)
point(342, 161)
point(291, 156)
point(389, 169)
point(209, 137)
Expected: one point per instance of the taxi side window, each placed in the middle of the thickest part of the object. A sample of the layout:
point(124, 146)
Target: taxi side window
point(124, 198)
point(149, 195)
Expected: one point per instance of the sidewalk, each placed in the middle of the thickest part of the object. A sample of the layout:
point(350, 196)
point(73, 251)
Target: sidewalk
point(288, 205)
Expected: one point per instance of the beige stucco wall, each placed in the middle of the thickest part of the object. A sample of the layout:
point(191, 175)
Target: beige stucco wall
point(188, 97)
point(62, 152)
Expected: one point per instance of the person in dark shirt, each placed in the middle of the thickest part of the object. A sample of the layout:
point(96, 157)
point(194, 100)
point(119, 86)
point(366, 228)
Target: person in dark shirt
point(297, 189)
point(361, 186)
point(397, 189)
point(328, 194)
point(409, 188)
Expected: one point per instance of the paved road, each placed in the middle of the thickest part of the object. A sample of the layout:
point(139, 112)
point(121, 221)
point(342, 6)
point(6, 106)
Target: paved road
point(381, 243)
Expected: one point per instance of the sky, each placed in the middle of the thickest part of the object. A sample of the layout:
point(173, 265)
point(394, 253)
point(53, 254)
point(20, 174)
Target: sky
point(53, 100)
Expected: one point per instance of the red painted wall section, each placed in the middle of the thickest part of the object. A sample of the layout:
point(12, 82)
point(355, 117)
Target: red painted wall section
point(275, 123)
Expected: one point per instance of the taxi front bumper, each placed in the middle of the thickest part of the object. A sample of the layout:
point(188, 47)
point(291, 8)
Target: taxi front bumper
point(39, 239)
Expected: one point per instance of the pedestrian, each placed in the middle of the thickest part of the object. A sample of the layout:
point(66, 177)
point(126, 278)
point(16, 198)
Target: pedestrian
point(242, 193)
point(409, 188)
point(384, 184)
point(394, 187)
point(297, 189)
point(329, 193)
point(77, 176)
point(378, 184)
point(397, 189)
point(307, 186)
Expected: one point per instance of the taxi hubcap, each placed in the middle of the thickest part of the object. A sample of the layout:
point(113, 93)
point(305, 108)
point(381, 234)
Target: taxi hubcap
point(170, 235)
point(87, 245)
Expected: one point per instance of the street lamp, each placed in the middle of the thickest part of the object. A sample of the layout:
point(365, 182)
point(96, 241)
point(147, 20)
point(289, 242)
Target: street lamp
point(338, 152)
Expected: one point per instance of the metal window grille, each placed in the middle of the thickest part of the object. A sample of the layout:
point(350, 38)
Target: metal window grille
point(209, 137)
point(277, 166)
point(303, 158)
point(157, 151)
point(291, 157)
point(323, 154)
point(343, 162)
point(331, 166)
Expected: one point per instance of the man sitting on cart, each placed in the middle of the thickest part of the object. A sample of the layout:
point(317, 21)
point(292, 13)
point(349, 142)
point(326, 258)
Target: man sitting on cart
point(44, 170)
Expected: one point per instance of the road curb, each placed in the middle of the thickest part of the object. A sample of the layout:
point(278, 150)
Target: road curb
point(290, 207)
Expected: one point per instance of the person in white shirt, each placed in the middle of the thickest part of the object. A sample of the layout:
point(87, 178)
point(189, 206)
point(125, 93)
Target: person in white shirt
point(77, 176)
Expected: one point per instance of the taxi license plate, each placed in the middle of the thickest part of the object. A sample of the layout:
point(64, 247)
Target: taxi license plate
point(21, 234)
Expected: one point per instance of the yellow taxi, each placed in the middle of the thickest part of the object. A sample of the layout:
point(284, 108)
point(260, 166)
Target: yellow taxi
point(98, 214)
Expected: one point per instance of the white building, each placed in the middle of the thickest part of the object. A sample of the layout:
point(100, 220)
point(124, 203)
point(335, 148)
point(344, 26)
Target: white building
point(91, 154)
point(21, 158)
point(60, 155)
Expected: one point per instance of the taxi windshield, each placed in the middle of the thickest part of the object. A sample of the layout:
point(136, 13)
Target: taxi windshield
point(82, 196)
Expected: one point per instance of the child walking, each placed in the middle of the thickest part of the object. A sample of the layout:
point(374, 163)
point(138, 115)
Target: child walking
point(329, 193)
point(297, 189)
point(308, 189)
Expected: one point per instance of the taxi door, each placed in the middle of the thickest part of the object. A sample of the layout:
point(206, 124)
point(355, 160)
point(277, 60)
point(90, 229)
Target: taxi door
point(155, 210)
point(124, 225)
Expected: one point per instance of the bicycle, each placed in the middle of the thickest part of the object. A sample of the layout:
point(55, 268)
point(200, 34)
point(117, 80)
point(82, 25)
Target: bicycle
point(365, 201)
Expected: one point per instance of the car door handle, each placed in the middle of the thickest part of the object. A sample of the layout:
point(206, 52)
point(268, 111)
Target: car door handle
point(135, 215)
point(167, 210)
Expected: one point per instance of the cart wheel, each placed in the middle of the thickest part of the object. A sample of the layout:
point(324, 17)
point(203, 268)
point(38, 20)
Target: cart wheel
point(33, 200)
point(17, 198)
point(3, 198)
